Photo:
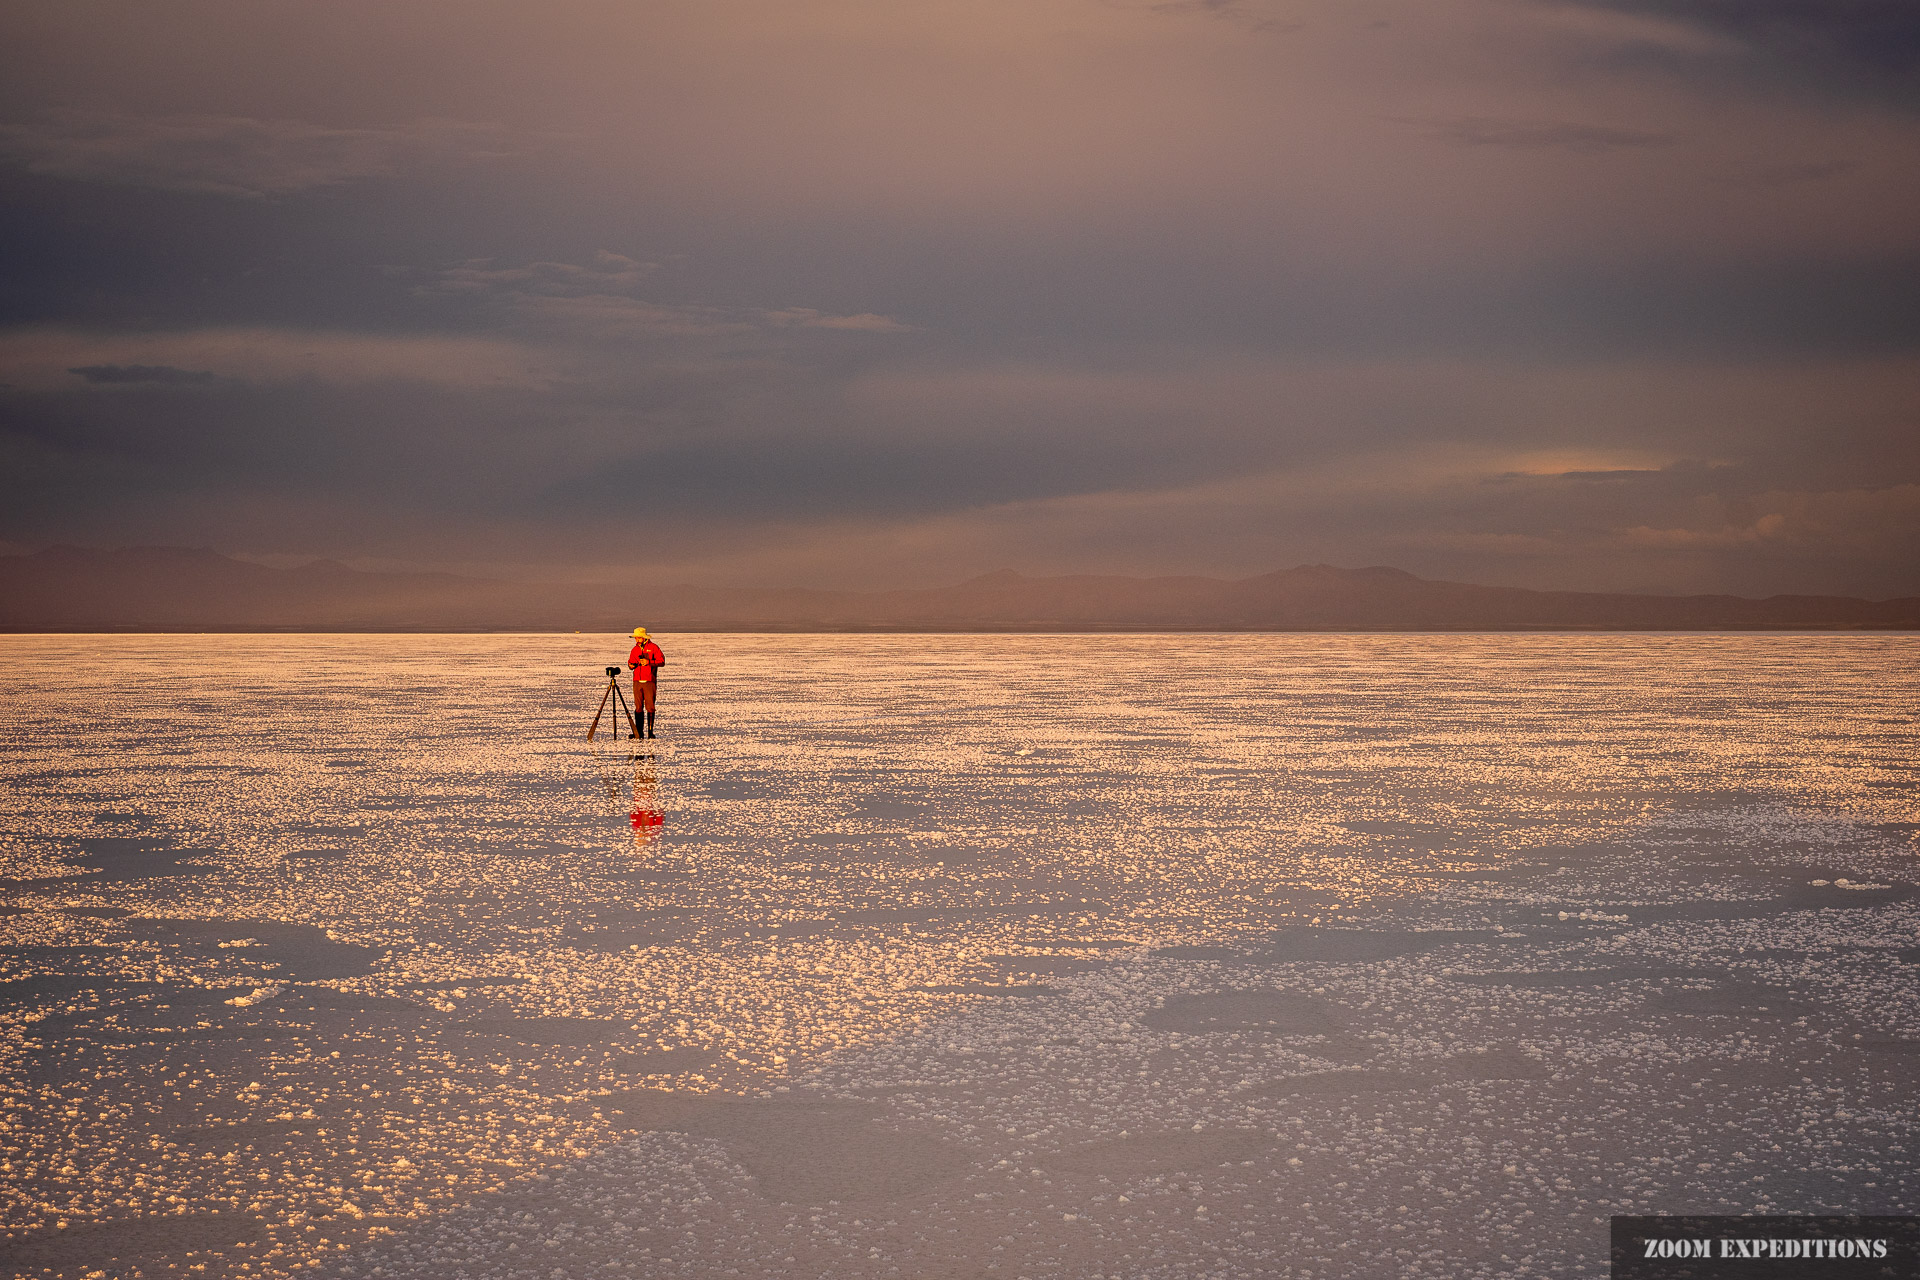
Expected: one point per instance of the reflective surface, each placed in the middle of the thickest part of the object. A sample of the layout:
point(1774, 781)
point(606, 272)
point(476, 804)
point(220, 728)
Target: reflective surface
point(982, 955)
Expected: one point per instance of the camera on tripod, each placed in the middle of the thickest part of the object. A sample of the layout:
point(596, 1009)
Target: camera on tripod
point(619, 701)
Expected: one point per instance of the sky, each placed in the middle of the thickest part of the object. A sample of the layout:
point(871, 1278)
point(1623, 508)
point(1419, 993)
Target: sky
point(1588, 294)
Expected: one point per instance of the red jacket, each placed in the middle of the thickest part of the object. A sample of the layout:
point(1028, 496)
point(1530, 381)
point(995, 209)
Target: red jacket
point(645, 657)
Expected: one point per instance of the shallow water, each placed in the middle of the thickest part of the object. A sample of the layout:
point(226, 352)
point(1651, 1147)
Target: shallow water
point(948, 956)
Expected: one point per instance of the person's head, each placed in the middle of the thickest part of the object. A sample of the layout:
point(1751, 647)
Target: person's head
point(639, 633)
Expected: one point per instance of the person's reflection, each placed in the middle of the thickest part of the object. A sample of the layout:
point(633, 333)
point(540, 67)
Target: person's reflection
point(645, 816)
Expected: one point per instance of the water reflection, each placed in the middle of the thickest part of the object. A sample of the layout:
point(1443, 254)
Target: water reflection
point(644, 815)
point(1255, 948)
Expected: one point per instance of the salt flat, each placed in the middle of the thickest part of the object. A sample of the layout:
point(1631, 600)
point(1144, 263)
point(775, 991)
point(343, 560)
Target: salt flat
point(1127, 956)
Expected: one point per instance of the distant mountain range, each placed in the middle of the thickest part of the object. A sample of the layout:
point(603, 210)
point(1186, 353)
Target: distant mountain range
point(176, 589)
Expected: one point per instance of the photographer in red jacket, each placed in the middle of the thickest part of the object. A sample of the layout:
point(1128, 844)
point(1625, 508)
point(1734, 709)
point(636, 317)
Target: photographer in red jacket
point(645, 661)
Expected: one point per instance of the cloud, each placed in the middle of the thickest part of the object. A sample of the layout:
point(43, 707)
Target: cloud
point(238, 156)
point(1769, 177)
point(46, 359)
point(932, 288)
point(1212, 8)
point(1586, 463)
point(602, 297)
point(1881, 35)
point(808, 318)
point(1229, 10)
point(1415, 510)
point(164, 374)
point(607, 273)
point(1539, 135)
point(1849, 521)
point(896, 472)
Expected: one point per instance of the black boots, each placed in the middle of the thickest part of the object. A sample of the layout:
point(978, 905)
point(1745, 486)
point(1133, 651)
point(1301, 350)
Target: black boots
point(649, 724)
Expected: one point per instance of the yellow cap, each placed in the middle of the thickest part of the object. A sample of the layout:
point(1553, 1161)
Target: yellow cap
point(639, 633)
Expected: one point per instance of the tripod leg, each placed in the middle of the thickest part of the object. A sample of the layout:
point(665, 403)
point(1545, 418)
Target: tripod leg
point(596, 715)
point(623, 709)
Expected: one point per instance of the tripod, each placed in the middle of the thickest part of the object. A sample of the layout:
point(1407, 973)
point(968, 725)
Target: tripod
point(613, 691)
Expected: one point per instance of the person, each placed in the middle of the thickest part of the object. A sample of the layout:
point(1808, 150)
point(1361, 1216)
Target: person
point(645, 661)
